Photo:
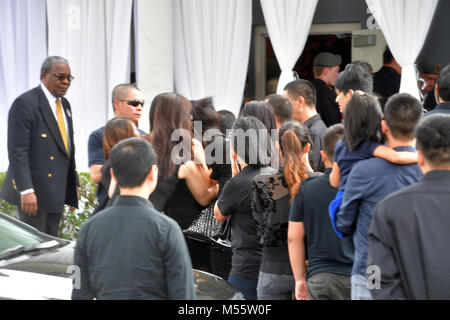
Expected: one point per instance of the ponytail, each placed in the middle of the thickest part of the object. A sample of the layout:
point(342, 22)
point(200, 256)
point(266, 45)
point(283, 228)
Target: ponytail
point(294, 169)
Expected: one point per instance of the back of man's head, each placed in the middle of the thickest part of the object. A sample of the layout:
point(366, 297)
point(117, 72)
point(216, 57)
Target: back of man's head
point(433, 140)
point(330, 138)
point(302, 88)
point(281, 106)
point(131, 161)
point(402, 113)
point(354, 77)
point(443, 83)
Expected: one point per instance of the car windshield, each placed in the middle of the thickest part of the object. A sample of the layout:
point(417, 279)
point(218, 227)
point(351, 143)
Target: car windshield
point(12, 235)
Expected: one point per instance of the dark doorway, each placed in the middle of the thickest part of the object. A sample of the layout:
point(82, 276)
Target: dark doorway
point(336, 44)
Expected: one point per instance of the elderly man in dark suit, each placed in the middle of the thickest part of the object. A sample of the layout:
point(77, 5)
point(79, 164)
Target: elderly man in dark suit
point(42, 176)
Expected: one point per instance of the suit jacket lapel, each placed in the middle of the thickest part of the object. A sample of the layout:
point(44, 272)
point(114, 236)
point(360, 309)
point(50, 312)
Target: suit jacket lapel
point(49, 118)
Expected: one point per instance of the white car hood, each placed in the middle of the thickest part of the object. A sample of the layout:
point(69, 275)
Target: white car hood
point(20, 285)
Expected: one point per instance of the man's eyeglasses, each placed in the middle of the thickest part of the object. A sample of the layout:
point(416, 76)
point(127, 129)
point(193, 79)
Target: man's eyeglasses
point(134, 103)
point(61, 77)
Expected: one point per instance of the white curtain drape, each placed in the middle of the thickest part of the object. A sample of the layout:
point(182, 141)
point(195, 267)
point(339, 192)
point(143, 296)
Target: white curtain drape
point(405, 25)
point(23, 48)
point(211, 50)
point(95, 37)
point(154, 51)
point(288, 23)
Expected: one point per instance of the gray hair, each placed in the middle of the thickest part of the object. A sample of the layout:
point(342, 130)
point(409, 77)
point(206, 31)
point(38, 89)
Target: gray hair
point(47, 65)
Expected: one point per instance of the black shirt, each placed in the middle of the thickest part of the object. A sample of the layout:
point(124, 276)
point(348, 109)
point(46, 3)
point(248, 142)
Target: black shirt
point(326, 103)
point(409, 240)
point(316, 129)
point(220, 164)
point(429, 101)
point(131, 251)
point(182, 206)
point(236, 203)
point(326, 251)
point(173, 197)
point(386, 82)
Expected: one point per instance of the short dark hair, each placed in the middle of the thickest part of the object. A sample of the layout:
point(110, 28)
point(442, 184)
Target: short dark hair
point(330, 138)
point(402, 112)
point(387, 56)
point(262, 111)
point(444, 84)
point(303, 88)
point(433, 139)
point(227, 119)
point(131, 161)
point(354, 77)
point(251, 141)
point(362, 120)
point(282, 107)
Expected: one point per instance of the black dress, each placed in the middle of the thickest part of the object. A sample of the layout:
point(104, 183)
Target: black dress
point(220, 256)
point(173, 197)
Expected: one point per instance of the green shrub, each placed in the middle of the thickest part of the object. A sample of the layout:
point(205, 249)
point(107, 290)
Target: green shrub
point(6, 207)
point(70, 221)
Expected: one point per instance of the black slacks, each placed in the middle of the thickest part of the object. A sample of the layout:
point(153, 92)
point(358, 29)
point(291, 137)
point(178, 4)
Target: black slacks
point(43, 221)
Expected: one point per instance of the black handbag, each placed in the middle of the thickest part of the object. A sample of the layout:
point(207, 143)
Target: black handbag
point(205, 228)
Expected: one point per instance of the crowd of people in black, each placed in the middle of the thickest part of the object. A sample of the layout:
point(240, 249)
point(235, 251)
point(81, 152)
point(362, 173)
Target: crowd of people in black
point(345, 210)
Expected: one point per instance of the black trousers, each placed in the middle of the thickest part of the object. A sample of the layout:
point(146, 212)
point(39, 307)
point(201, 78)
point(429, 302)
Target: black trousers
point(43, 221)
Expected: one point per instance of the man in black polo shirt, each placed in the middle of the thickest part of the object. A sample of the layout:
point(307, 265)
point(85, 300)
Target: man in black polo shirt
point(302, 95)
point(386, 81)
point(330, 258)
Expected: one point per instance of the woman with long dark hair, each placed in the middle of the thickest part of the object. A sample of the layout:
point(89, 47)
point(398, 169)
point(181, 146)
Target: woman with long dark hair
point(249, 155)
point(181, 192)
point(207, 124)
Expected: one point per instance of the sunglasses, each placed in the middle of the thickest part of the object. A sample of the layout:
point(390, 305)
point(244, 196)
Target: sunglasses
point(61, 77)
point(134, 103)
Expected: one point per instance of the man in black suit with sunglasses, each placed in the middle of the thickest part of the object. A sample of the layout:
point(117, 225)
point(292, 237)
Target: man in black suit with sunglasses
point(42, 176)
point(127, 101)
